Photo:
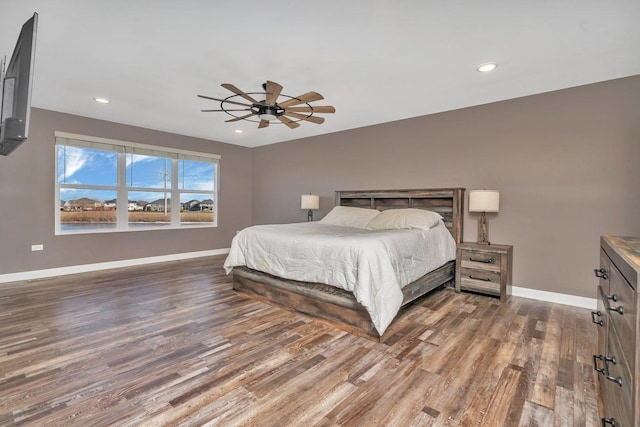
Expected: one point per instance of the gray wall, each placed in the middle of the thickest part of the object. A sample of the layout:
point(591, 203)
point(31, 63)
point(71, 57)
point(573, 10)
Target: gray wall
point(565, 163)
point(27, 200)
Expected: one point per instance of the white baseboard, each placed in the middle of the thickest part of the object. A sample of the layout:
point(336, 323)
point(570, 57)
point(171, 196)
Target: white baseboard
point(61, 271)
point(565, 299)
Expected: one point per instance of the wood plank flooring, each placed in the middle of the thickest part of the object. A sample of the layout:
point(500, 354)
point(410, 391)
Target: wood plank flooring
point(172, 344)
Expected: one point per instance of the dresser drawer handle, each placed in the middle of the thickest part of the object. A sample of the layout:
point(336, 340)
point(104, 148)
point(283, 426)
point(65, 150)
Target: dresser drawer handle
point(601, 272)
point(610, 421)
point(617, 309)
point(595, 364)
point(488, 261)
point(479, 278)
point(607, 359)
point(593, 318)
point(617, 380)
point(613, 297)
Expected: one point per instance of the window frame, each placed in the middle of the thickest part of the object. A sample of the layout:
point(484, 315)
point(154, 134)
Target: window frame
point(121, 189)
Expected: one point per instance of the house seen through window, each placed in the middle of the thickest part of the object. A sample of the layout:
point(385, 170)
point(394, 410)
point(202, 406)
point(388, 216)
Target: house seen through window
point(104, 185)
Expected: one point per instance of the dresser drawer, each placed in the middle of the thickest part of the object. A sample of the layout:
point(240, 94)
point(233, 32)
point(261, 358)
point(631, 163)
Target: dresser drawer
point(622, 316)
point(617, 389)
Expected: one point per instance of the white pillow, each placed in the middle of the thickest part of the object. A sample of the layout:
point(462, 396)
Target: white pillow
point(347, 216)
point(393, 219)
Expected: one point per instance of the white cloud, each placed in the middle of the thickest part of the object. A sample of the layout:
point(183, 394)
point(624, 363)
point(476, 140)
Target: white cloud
point(75, 159)
point(139, 158)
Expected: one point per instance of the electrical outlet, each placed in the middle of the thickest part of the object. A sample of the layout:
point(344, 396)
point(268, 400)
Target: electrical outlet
point(39, 247)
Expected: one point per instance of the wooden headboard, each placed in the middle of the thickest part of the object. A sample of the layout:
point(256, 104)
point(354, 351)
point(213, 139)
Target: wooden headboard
point(448, 202)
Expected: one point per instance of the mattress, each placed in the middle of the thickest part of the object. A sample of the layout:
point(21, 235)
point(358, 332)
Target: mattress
point(372, 264)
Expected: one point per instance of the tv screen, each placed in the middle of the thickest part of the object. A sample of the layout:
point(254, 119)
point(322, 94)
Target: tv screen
point(16, 89)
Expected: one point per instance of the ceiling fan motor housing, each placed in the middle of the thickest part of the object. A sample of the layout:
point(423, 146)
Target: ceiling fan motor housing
point(267, 112)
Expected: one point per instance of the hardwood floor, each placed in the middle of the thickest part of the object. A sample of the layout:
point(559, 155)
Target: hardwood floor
point(172, 344)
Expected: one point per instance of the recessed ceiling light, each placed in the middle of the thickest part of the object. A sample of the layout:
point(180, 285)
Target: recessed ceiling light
point(238, 131)
point(101, 100)
point(486, 67)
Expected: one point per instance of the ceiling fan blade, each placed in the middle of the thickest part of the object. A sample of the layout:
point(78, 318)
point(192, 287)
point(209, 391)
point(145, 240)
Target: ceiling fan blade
point(312, 119)
point(237, 91)
point(287, 121)
point(263, 124)
point(302, 99)
point(273, 92)
point(241, 109)
point(225, 100)
point(314, 109)
point(235, 119)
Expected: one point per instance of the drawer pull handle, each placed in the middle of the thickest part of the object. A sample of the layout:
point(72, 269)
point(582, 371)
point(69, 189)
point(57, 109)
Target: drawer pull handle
point(610, 421)
point(601, 272)
point(605, 370)
point(617, 380)
point(613, 297)
point(593, 318)
point(595, 364)
point(486, 261)
point(479, 278)
point(617, 309)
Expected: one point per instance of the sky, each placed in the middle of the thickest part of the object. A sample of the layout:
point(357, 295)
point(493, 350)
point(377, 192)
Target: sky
point(92, 167)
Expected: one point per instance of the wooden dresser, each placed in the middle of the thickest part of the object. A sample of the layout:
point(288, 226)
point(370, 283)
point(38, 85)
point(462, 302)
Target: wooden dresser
point(617, 360)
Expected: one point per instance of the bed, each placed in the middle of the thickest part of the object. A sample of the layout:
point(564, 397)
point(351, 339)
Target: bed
point(329, 302)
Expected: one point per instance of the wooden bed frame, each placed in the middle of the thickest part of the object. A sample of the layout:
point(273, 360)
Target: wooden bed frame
point(339, 307)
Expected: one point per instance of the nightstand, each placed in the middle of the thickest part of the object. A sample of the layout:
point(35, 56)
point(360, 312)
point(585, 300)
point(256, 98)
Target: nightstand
point(484, 269)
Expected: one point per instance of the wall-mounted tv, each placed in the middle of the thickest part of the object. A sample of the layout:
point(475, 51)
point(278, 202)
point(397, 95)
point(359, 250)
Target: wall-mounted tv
point(17, 80)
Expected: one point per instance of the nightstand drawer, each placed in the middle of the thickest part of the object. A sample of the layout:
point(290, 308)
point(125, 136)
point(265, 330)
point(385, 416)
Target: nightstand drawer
point(481, 261)
point(487, 276)
point(487, 282)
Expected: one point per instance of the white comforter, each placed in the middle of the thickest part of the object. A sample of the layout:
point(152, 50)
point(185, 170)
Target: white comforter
point(374, 265)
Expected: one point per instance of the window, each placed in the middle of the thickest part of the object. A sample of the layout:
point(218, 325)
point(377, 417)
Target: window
point(105, 185)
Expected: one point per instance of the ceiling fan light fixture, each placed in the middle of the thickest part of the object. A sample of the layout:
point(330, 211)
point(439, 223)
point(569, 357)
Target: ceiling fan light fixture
point(267, 116)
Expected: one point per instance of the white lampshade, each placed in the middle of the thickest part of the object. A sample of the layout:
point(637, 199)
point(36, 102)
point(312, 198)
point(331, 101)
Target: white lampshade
point(484, 201)
point(310, 201)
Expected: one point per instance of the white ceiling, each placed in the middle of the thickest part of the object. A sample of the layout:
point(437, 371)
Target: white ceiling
point(375, 61)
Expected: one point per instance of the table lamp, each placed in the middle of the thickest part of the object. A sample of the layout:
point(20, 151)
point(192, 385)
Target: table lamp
point(484, 201)
point(310, 202)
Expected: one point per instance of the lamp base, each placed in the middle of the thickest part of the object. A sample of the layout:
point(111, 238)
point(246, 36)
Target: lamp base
point(483, 230)
point(310, 216)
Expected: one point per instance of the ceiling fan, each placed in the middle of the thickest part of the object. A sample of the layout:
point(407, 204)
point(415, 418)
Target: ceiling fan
point(290, 111)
